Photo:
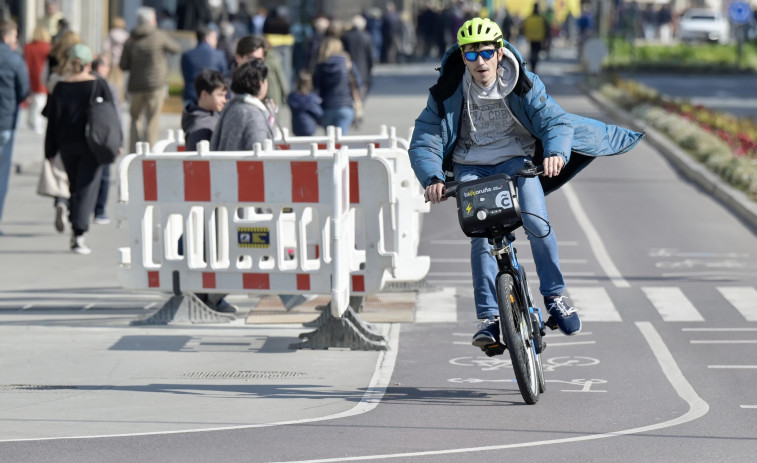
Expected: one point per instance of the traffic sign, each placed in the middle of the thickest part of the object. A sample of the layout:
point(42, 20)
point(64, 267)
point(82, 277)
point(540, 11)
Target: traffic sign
point(739, 12)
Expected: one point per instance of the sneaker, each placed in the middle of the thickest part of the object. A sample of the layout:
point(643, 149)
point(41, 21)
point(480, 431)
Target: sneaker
point(562, 315)
point(61, 217)
point(78, 246)
point(226, 307)
point(487, 333)
point(101, 219)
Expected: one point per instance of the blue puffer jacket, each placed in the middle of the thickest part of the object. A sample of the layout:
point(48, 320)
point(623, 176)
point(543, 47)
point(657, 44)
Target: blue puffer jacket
point(14, 86)
point(577, 139)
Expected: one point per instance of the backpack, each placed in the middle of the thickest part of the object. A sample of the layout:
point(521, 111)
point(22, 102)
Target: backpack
point(103, 129)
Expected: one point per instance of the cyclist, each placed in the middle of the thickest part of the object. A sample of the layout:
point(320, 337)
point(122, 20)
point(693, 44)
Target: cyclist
point(488, 115)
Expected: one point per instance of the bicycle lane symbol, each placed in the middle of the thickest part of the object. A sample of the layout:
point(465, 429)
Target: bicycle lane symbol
point(550, 365)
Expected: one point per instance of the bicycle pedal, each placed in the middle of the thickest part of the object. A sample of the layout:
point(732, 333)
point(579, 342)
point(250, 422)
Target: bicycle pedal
point(494, 349)
point(551, 323)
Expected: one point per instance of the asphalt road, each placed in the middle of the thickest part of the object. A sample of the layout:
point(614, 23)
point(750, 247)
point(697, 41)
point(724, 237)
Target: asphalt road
point(664, 370)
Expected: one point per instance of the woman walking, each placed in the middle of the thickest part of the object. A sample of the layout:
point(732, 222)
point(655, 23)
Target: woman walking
point(67, 114)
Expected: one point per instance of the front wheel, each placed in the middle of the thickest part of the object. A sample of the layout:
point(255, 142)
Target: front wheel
point(515, 324)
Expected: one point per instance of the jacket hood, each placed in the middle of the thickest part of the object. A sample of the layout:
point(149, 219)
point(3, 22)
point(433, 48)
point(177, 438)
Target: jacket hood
point(191, 114)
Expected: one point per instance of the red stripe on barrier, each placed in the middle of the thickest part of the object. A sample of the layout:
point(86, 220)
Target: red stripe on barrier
point(256, 281)
point(354, 183)
point(317, 251)
point(181, 148)
point(250, 181)
point(153, 279)
point(284, 146)
point(208, 280)
point(358, 283)
point(304, 181)
point(378, 145)
point(196, 181)
point(150, 180)
point(323, 146)
point(303, 282)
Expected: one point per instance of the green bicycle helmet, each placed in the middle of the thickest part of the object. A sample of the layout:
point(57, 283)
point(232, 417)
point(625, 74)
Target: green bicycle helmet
point(478, 30)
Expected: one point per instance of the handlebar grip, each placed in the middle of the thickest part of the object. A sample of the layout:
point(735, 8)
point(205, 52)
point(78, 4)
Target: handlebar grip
point(450, 189)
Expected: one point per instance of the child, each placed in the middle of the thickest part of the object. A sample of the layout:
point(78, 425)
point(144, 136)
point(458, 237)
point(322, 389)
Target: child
point(199, 120)
point(305, 106)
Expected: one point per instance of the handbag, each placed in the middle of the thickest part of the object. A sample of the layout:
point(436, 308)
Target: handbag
point(53, 180)
point(103, 129)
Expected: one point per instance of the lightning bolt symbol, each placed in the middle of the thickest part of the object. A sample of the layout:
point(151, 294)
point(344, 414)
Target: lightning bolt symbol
point(468, 208)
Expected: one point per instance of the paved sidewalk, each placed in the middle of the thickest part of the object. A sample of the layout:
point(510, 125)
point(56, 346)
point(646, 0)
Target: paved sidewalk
point(72, 366)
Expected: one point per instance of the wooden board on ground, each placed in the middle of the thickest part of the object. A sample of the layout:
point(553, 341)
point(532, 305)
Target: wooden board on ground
point(379, 308)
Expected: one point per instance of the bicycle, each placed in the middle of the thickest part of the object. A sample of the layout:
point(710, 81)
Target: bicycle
point(496, 215)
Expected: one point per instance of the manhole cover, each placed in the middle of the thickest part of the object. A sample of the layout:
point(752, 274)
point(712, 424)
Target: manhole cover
point(242, 374)
point(34, 387)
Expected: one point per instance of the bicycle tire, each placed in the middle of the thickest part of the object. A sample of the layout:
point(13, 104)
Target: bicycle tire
point(515, 325)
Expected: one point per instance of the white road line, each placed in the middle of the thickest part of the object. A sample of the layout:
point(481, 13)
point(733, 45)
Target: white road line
point(749, 406)
point(718, 329)
point(594, 304)
point(436, 307)
point(672, 304)
point(724, 341)
point(744, 298)
point(697, 409)
point(563, 344)
point(450, 282)
point(595, 242)
point(467, 242)
point(371, 398)
point(732, 367)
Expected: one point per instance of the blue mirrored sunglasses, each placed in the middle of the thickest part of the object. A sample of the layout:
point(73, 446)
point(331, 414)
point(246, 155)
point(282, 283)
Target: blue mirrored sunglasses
point(485, 54)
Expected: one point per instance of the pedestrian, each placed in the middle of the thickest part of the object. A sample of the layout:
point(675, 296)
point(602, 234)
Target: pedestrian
point(358, 45)
point(320, 26)
point(332, 80)
point(488, 115)
point(244, 120)
point(391, 28)
point(198, 120)
point(36, 54)
point(144, 55)
point(203, 56)
point(14, 88)
point(52, 17)
point(278, 34)
point(113, 47)
point(255, 46)
point(57, 64)
point(305, 106)
point(535, 30)
point(101, 68)
point(67, 111)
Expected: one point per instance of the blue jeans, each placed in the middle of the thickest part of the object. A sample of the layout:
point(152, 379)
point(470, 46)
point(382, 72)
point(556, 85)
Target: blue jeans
point(484, 265)
point(6, 151)
point(338, 117)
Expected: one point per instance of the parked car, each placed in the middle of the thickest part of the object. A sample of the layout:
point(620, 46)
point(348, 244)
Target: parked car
point(699, 24)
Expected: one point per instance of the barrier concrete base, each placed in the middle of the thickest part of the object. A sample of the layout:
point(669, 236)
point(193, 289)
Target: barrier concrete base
point(347, 331)
point(184, 308)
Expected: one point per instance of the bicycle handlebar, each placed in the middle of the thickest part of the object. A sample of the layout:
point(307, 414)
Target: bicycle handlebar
point(530, 171)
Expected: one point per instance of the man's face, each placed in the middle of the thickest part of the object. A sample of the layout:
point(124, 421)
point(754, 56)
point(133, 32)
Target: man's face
point(484, 71)
point(212, 101)
point(258, 53)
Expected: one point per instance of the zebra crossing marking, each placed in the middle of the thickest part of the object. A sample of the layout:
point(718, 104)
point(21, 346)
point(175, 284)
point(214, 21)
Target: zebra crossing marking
point(594, 304)
point(743, 298)
point(672, 304)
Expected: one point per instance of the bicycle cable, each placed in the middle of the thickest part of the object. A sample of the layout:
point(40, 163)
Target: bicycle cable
point(549, 225)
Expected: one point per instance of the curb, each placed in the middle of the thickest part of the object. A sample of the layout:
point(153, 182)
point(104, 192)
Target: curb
point(735, 200)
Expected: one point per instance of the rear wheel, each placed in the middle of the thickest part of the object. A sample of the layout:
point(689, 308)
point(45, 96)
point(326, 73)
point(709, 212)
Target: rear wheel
point(515, 323)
